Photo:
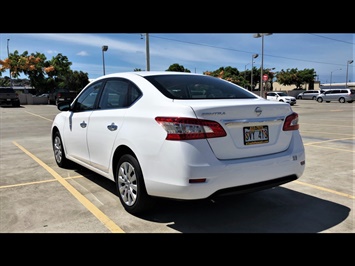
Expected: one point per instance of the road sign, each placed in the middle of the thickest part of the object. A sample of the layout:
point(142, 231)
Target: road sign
point(265, 77)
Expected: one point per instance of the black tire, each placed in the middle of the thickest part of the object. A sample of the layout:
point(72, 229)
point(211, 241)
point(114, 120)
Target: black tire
point(320, 99)
point(130, 186)
point(59, 153)
point(342, 100)
point(314, 97)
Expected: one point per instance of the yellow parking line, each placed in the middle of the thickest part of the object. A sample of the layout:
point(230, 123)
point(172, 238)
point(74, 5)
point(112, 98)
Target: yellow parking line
point(329, 140)
point(324, 133)
point(316, 144)
point(91, 207)
point(325, 189)
point(328, 125)
point(38, 182)
point(322, 147)
point(39, 116)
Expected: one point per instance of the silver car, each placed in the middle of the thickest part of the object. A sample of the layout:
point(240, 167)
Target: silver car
point(309, 95)
point(339, 95)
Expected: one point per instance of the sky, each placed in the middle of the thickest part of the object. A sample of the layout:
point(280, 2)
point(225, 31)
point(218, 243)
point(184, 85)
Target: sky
point(327, 53)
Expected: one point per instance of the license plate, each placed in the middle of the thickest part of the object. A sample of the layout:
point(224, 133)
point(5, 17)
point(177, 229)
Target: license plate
point(256, 135)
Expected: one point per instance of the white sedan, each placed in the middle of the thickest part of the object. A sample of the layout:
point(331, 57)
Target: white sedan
point(280, 96)
point(178, 135)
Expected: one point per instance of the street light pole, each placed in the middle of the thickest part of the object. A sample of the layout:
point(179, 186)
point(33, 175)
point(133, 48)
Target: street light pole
point(245, 70)
point(104, 49)
point(147, 51)
point(251, 74)
point(331, 75)
point(8, 57)
point(258, 35)
point(347, 72)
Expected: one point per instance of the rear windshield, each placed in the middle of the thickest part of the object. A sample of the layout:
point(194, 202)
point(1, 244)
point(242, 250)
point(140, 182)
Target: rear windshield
point(198, 87)
point(7, 90)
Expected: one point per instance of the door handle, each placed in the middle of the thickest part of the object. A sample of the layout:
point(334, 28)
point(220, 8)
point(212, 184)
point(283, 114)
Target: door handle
point(112, 127)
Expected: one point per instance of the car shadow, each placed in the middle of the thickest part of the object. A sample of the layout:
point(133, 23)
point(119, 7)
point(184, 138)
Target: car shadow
point(10, 106)
point(275, 210)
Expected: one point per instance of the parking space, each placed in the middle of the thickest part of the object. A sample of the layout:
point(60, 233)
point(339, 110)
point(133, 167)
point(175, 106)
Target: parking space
point(37, 196)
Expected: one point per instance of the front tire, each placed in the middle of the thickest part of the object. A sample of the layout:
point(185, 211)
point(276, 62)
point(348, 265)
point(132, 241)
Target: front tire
point(130, 185)
point(320, 100)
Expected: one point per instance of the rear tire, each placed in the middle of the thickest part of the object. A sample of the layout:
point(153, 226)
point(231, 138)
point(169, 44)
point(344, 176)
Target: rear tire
point(342, 100)
point(59, 153)
point(130, 186)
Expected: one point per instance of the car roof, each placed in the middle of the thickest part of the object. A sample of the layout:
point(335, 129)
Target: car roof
point(145, 74)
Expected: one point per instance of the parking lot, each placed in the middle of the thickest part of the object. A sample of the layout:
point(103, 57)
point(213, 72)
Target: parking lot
point(37, 196)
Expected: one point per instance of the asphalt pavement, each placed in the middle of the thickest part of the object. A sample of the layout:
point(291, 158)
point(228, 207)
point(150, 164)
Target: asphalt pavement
point(36, 196)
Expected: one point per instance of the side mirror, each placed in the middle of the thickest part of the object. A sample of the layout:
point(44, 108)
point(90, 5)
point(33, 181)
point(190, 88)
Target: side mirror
point(63, 106)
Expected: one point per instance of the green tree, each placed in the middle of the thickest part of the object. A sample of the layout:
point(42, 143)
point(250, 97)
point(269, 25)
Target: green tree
point(5, 82)
point(44, 75)
point(75, 80)
point(229, 73)
point(177, 67)
point(296, 77)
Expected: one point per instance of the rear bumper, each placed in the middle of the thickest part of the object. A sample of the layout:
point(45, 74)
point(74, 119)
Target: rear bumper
point(255, 186)
point(11, 101)
point(225, 176)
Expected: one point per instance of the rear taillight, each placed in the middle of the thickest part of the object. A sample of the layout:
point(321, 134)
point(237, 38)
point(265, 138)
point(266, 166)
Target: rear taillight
point(180, 128)
point(291, 122)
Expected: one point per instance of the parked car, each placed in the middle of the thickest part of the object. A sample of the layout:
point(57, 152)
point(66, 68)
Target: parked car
point(177, 135)
point(58, 95)
point(9, 97)
point(280, 97)
point(339, 95)
point(43, 95)
point(309, 95)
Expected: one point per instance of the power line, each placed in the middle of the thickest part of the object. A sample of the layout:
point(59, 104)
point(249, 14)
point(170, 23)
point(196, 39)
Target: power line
point(241, 51)
point(332, 39)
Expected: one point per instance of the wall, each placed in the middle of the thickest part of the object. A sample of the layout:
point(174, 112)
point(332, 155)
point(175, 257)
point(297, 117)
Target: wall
point(28, 98)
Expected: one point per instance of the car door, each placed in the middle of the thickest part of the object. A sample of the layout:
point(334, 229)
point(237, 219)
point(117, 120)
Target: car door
point(106, 122)
point(333, 95)
point(75, 130)
point(308, 95)
point(327, 95)
point(272, 96)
